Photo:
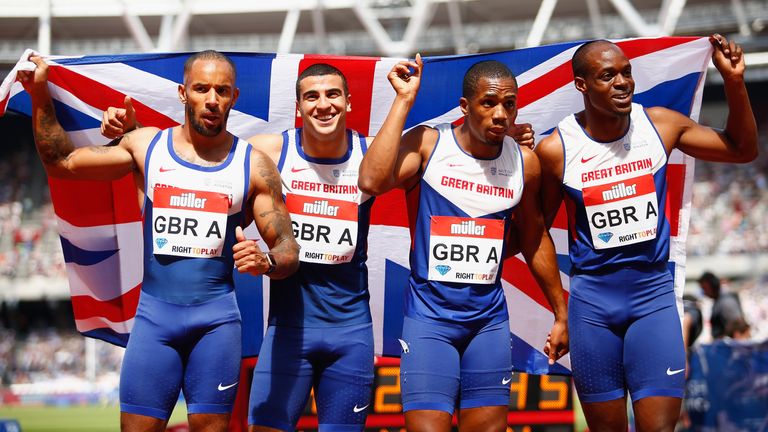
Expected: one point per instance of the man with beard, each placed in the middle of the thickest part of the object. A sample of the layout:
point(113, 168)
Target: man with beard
point(470, 181)
point(320, 333)
point(609, 162)
point(198, 185)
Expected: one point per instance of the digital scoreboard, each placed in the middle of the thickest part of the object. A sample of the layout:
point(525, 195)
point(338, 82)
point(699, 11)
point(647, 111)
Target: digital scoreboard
point(538, 403)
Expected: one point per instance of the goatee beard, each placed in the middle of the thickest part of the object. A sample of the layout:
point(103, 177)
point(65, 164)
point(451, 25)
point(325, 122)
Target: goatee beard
point(200, 128)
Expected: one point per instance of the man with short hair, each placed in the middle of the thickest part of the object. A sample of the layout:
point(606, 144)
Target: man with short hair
point(198, 186)
point(320, 332)
point(470, 181)
point(726, 307)
point(609, 162)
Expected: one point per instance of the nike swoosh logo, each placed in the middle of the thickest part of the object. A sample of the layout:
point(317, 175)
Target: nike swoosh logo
point(295, 170)
point(587, 159)
point(166, 169)
point(223, 387)
point(357, 410)
point(671, 372)
point(505, 381)
point(404, 346)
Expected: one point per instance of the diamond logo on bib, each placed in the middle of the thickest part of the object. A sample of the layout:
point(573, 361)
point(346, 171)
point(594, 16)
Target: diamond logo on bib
point(606, 236)
point(443, 269)
point(161, 242)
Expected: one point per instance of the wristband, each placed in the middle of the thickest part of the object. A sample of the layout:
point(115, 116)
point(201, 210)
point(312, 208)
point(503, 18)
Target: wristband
point(271, 261)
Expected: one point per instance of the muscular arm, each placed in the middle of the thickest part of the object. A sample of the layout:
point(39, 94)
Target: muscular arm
point(539, 252)
point(273, 222)
point(550, 155)
point(58, 154)
point(392, 160)
point(738, 141)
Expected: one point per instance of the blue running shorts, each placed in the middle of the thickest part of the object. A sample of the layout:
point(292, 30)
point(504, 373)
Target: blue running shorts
point(195, 348)
point(443, 363)
point(336, 361)
point(625, 334)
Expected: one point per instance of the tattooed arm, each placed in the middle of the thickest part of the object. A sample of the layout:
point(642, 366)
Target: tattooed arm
point(273, 222)
point(58, 154)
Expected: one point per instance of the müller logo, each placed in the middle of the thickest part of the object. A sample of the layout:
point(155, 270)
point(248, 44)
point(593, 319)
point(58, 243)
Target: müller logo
point(189, 200)
point(321, 207)
point(468, 227)
point(619, 191)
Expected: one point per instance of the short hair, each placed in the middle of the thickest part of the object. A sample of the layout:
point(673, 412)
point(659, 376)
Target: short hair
point(208, 55)
point(320, 69)
point(738, 325)
point(712, 280)
point(488, 69)
point(579, 60)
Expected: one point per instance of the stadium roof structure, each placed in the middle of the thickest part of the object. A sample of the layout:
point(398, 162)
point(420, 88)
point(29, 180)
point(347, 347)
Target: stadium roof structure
point(395, 28)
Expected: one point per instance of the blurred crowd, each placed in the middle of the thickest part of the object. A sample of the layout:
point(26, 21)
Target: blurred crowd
point(730, 205)
point(29, 243)
point(49, 354)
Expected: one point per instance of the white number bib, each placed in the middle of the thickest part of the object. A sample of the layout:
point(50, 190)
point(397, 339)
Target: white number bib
point(465, 250)
point(623, 212)
point(326, 229)
point(188, 223)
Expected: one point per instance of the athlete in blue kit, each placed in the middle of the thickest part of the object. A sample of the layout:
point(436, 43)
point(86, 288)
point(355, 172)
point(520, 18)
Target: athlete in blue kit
point(470, 181)
point(198, 184)
point(609, 162)
point(320, 333)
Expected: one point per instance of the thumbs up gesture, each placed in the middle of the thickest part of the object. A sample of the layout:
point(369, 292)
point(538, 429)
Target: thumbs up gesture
point(249, 258)
point(118, 121)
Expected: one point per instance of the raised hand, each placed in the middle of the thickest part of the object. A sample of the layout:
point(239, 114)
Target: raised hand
point(405, 77)
point(728, 57)
point(34, 81)
point(523, 134)
point(118, 121)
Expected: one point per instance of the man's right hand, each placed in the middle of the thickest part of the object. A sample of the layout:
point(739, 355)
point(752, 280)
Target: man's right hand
point(34, 81)
point(118, 121)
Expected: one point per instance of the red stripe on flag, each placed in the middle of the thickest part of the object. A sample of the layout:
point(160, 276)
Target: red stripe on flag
point(517, 273)
point(561, 218)
point(675, 185)
point(101, 96)
point(640, 47)
point(94, 203)
point(119, 309)
point(562, 75)
point(3, 104)
point(545, 84)
point(390, 209)
point(359, 72)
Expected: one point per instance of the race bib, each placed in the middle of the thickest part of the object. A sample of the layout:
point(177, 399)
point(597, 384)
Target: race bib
point(623, 212)
point(465, 250)
point(326, 229)
point(188, 223)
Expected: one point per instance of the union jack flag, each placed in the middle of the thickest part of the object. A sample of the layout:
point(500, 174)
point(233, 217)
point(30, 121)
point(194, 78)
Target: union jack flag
point(100, 222)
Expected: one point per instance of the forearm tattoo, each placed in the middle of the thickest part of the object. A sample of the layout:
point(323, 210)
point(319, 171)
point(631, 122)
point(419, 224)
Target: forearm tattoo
point(276, 222)
point(52, 142)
